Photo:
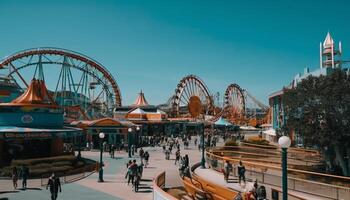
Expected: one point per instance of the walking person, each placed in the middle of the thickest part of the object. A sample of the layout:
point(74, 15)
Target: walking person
point(226, 171)
point(177, 156)
point(14, 177)
point(146, 156)
point(186, 161)
point(141, 154)
point(24, 175)
point(54, 184)
point(132, 170)
point(128, 170)
point(241, 172)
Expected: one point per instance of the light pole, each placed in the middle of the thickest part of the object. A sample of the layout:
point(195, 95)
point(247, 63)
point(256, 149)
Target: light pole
point(284, 142)
point(203, 150)
point(100, 172)
point(138, 136)
point(129, 141)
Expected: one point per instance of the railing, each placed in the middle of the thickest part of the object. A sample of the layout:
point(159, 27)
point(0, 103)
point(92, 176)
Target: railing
point(158, 186)
point(271, 175)
point(72, 175)
point(219, 192)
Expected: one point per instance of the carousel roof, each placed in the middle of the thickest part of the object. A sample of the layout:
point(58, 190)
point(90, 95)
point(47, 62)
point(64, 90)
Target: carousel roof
point(141, 100)
point(36, 95)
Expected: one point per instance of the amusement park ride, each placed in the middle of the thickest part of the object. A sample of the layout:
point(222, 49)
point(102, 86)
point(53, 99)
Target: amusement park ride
point(239, 106)
point(83, 87)
point(87, 90)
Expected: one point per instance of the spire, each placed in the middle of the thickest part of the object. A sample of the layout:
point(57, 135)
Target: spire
point(141, 100)
point(328, 42)
point(36, 94)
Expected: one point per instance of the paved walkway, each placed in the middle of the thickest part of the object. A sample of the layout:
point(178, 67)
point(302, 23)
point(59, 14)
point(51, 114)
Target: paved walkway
point(115, 186)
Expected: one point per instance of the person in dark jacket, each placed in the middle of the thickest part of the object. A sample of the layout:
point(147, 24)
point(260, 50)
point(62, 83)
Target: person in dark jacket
point(54, 184)
point(24, 175)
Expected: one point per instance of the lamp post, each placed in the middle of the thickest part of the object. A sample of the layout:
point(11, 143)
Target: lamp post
point(100, 172)
point(138, 136)
point(129, 141)
point(203, 150)
point(284, 142)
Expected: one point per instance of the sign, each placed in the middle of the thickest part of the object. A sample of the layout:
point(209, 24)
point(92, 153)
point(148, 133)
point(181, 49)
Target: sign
point(27, 119)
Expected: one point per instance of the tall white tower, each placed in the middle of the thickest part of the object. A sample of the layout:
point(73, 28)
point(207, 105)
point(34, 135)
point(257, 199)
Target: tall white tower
point(330, 56)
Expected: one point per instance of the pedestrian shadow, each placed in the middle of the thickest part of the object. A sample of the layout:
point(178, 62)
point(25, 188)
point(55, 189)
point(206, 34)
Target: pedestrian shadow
point(150, 167)
point(117, 158)
point(4, 198)
point(12, 191)
point(23, 189)
point(145, 189)
point(146, 180)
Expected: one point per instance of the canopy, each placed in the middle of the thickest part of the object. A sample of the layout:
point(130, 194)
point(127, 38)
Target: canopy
point(222, 122)
point(270, 131)
point(36, 95)
point(13, 132)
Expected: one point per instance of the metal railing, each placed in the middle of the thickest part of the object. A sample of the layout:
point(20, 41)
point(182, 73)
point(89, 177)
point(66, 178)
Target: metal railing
point(72, 175)
point(271, 175)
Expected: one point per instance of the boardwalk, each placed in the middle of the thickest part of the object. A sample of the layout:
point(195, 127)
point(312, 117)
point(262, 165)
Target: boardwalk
point(115, 186)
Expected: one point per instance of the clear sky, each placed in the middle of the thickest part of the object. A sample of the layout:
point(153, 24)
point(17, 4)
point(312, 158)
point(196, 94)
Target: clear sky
point(152, 44)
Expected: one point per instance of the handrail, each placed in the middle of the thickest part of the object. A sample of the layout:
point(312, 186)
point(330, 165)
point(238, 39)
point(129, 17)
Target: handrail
point(224, 188)
point(279, 168)
point(158, 190)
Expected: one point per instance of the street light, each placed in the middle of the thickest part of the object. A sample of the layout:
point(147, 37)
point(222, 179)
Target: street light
point(137, 136)
point(203, 149)
point(129, 141)
point(284, 142)
point(100, 173)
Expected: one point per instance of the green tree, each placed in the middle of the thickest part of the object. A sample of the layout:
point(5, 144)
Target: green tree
point(319, 110)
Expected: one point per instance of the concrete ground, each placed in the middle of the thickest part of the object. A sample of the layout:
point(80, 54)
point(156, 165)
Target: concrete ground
point(115, 185)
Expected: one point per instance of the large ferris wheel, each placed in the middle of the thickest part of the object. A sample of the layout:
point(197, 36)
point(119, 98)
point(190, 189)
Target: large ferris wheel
point(76, 82)
point(192, 97)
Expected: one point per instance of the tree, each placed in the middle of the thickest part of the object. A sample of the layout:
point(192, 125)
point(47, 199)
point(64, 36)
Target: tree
point(318, 109)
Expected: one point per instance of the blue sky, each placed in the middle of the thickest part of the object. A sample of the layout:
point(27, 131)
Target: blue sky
point(151, 45)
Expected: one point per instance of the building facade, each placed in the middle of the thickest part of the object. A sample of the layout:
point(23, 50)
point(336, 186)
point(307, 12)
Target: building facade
point(330, 59)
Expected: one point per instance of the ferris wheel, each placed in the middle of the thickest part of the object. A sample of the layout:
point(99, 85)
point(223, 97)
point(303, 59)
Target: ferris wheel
point(76, 82)
point(234, 100)
point(191, 98)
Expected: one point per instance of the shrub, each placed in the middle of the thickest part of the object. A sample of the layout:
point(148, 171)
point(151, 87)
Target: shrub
point(231, 142)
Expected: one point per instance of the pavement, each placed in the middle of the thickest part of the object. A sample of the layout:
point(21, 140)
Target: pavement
point(115, 186)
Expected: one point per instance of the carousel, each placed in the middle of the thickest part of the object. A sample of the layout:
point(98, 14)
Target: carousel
point(32, 126)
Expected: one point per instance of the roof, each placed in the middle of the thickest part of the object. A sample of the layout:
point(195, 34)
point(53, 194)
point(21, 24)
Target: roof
point(270, 131)
point(328, 41)
point(102, 122)
point(36, 95)
point(222, 122)
point(14, 132)
point(137, 111)
point(141, 100)
point(15, 129)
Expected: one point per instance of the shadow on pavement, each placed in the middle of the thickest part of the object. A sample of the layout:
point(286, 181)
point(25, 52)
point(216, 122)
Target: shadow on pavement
point(30, 189)
point(150, 167)
point(12, 191)
point(146, 180)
